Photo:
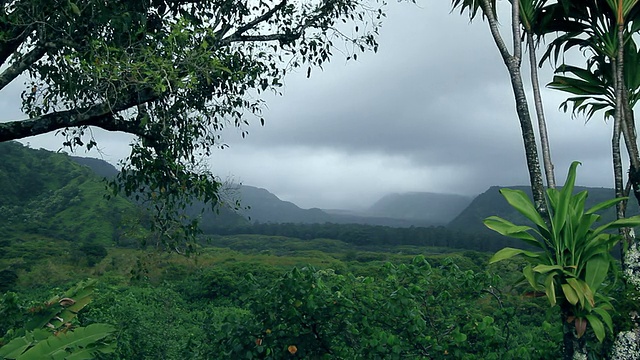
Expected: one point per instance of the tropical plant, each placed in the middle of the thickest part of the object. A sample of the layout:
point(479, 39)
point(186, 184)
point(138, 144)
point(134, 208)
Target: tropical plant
point(50, 334)
point(574, 257)
point(610, 80)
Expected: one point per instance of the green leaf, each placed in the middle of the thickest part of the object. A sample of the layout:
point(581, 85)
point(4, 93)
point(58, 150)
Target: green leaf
point(79, 338)
point(570, 294)
point(75, 8)
point(508, 253)
point(561, 211)
point(15, 347)
point(606, 317)
point(507, 228)
point(604, 205)
point(543, 269)
point(521, 202)
point(550, 288)
point(620, 223)
point(596, 271)
point(578, 290)
point(598, 327)
point(530, 276)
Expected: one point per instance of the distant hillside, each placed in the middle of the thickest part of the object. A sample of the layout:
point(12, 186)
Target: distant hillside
point(264, 207)
point(425, 206)
point(100, 167)
point(222, 216)
point(492, 203)
point(48, 198)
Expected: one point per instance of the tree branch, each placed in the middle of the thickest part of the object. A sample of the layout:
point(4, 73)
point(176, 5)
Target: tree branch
point(101, 115)
point(283, 38)
point(22, 64)
point(242, 29)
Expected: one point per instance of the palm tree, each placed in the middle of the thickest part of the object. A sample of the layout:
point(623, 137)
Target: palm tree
point(611, 79)
point(513, 61)
point(530, 10)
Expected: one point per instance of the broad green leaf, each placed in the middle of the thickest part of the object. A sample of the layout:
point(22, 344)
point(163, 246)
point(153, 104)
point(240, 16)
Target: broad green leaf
point(606, 317)
point(508, 253)
point(583, 74)
point(15, 347)
point(578, 290)
point(575, 86)
point(78, 338)
point(531, 277)
point(507, 228)
point(570, 294)
point(596, 271)
point(620, 223)
point(585, 225)
point(604, 205)
point(562, 208)
point(598, 327)
point(521, 202)
point(550, 288)
point(543, 269)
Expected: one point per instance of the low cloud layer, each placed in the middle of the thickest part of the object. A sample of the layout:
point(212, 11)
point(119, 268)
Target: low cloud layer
point(432, 111)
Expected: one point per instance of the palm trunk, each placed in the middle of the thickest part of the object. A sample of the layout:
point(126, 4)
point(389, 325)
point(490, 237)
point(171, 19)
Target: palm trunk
point(618, 67)
point(542, 124)
point(628, 127)
point(513, 63)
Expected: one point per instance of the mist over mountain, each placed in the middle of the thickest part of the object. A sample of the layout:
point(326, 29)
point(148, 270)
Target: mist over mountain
point(427, 206)
point(259, 205)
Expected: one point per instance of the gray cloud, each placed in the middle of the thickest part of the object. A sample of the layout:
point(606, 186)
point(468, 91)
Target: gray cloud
point(432, 111)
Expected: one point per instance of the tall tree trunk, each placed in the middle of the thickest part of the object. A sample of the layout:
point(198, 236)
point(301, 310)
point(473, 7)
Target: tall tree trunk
point(628, 127)
point(542, 124)
point(618, 122)
point(572, 347)
point(513, 63)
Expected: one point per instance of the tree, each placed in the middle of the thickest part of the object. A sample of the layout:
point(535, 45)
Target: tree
point(610, 79)
point(513, 61)
point(171, 72)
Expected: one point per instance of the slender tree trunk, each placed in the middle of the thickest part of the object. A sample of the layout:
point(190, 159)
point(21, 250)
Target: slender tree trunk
point(628, 127)
point(572, 347)
point(542, 124)
point(618, 120)
point(513, 63)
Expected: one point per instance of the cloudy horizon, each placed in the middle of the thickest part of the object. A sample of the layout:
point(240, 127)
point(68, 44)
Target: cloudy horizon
point(432, 111)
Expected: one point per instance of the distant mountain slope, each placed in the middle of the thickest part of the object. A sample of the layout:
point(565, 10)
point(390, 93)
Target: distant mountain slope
point(223, 216)
point(432, 207)
point(47, 194)
point(100, 167)
point(491, 203)
point(265, 207)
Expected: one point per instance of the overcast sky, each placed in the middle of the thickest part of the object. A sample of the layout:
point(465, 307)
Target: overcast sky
point(431, 111)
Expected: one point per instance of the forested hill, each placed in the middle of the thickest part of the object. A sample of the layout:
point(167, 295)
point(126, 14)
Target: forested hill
point(491, 203)
point(46, 198)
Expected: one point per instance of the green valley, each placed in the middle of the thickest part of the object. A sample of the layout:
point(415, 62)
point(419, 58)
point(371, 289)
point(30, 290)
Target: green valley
point(255, 291)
